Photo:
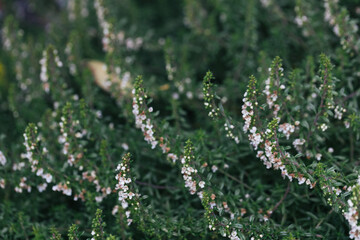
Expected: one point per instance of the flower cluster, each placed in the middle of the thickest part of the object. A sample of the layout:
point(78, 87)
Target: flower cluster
point(77, 8)
point(303, 18)
point(330, 15)
point(286, 129)
point(271, 155)
point(255, 137)
point(70, 57)
point(65, 125)
point(343, 26)
point(62, 187)
point(71, 134)
point(273, 84)
point(195, 184)
point(298, 143)
point(143, 122)
point(170, 69)
point(92, 178)
point(229, 128)
point(63, 140)
point(248, 106)
point(12, 36)
point(323, 127)
point(44, 62)
point(98, 226)
point(134, 43)
point(80, 195)
point(209, 100)
point(106, 27)
point(109, 36)
point(184, 86)
point(214, 111)
point(125, 195)
point(327, 86)
point(271, 97)
point(31, 144)
point(214, 223)
point(23, 185)
point(188, 172)
point(339, 111)
point(352, 214)
point(300, 20)
point(18, 166)
point(6, 38)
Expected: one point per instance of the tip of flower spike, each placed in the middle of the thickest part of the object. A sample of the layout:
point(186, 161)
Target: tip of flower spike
point(325, 61)
point(208, 77)
point(127, 157)
point(189, 146)
point(251, 91)
point(138, 80)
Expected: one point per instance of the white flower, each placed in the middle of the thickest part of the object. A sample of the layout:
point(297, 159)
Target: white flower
point(173, 157)
point(125, 146)
point(42, 187)
point(301, 180)
point(129, 221)
point(39, 172)
point(323, 127)
point(98, 114)
point(67, 191)
point(124, 204)
point(202, 184)
point(47, 177)
point(298, 143)
point(78, 135)
point(98, 198)
point(2, 159)
point(115, 209)
point(175, 96)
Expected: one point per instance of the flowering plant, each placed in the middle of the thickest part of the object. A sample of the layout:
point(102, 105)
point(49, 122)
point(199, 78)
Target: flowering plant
point(113, 127)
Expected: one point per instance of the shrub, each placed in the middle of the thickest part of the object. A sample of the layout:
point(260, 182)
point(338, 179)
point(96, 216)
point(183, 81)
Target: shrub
point(113, 127)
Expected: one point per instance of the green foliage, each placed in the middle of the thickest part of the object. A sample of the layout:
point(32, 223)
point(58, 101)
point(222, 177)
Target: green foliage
point(271, 156)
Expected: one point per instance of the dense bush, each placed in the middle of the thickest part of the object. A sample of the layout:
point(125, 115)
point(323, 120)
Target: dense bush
point(179, 119)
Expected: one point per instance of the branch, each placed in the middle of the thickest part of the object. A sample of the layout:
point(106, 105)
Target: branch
point(281, 200)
